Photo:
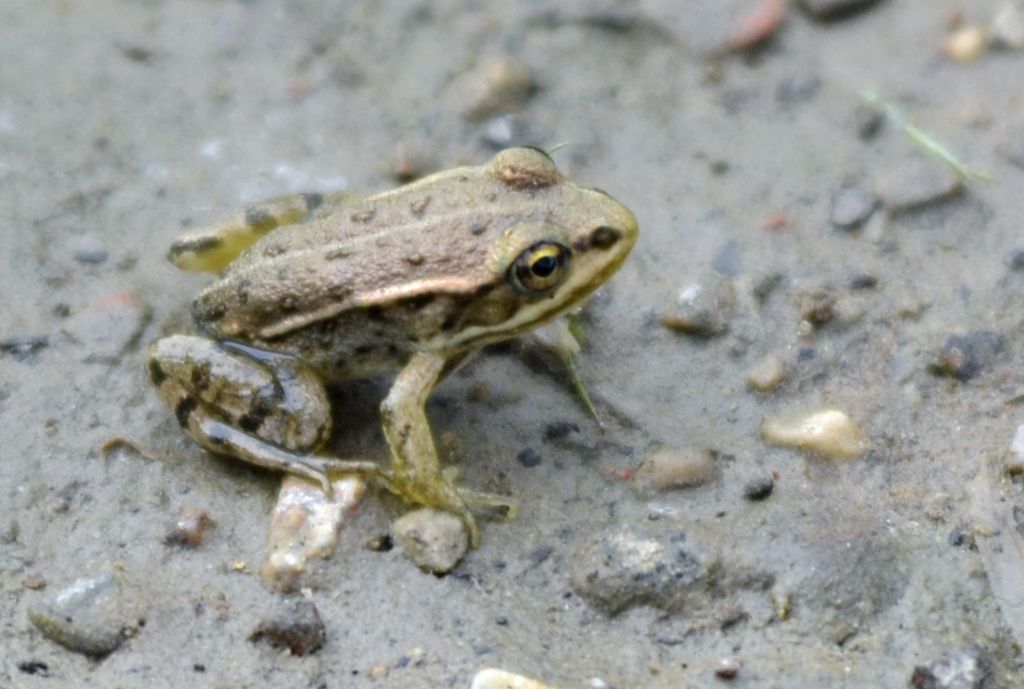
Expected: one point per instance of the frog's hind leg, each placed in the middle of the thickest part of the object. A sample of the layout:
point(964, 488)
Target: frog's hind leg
point(213, 247)
point(261, 407)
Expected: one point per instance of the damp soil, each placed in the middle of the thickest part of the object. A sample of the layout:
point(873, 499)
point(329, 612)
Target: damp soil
point(871, 282)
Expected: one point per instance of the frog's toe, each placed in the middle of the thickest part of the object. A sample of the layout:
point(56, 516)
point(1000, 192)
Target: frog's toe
point(490, 501)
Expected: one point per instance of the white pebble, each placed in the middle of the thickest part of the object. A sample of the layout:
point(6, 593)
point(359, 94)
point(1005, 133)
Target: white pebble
point(305, 524)
point(500, 679)
point(828, 433)
point(1015, 458)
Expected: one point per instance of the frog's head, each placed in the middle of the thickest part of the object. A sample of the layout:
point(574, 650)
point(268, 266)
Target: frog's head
point(550, 259)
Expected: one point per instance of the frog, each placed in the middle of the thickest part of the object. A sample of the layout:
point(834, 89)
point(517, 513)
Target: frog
point(314, 289)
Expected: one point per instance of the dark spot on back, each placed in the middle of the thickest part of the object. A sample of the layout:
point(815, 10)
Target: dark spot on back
point(258, 219)
point(363, 349)
point(375, 313)
point(204, 311)
point(450, 321)
point(200, 378)
point(186, 405)
point(603, 237)
point(196, 245)
point(254, 419)
point(156, 373)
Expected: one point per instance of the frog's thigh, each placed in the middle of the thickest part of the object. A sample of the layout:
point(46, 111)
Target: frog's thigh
point(211, 248)
point(272, 397)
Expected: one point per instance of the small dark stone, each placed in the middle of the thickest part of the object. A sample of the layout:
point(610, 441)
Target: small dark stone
point(829, 10)
point(539, 555)
point(961, 536)
point(296, 626)
point(529, 457)
point(728, 260)
point(965, 356)
point(964, 668)
point(21, 348)
point(501, 621)
point(198, 667)
point(1015, 260)
point(798, 89)
point(34, 667)
point(758, 489)
point(867, 120)
point(559, 430)
point(379, 544)
point(851, 207)
point(863, 281)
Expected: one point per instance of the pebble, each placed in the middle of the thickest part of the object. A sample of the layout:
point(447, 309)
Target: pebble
point(107, 329)
point(852, 205)
point(768, 373)
point(673, 468)
point(504, 131)
point(867, 120)
point(88, 249)
point(728, 667)
point(827, 433)
point(964, 668)
point(409, 163)
point(626, 567)
point(704, 307)
point(915, 187)
point(189, 527)
point(1015, 457)
point(757, 489)
point(758, 25)
point(433, 539)
point(491, 678)
point(1007, 28)
point(89, 617)
point(295, 625)
point(965, 356)
point(502, 85)
point(305, 524)
point(966, 44)
point(817, 306)
point(828, 10)
point(529, 458)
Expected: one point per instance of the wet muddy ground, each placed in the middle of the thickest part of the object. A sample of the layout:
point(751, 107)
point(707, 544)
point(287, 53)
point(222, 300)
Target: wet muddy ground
point(786, 229)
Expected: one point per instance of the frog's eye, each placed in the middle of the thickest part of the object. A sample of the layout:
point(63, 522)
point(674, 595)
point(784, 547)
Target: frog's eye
point(539, 268)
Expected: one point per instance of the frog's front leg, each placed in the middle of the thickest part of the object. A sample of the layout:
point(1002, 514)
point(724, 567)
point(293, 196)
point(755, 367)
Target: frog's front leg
point(416, 472)
point(264, 408)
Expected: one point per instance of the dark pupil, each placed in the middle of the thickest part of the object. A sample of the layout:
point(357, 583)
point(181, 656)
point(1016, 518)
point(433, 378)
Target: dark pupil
point(543, 267)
